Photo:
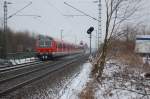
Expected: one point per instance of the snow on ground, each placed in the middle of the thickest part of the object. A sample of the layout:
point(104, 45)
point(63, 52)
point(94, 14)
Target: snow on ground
point(119, 83)
point(21, 61)
point(77, 84)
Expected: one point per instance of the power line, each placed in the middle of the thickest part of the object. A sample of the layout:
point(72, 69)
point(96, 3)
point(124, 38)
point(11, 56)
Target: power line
point(72, 15)
point(50, 4)
point(59, 11)
point(20, 10)
point(29, 15)
point(99, 18)
point(5, 46)
point(81, 11)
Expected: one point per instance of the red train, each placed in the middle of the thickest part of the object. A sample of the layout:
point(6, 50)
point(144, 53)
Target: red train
point(48, 48)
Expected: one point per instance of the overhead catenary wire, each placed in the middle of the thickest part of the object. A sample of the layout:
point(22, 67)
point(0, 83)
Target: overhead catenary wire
point(29, 15)
point(19, 10)
point(99, 19)
point(81, 11)
point(72, 15)
point(50, 4)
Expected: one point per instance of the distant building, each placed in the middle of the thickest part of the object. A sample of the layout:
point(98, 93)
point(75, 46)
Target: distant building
point(142, 44)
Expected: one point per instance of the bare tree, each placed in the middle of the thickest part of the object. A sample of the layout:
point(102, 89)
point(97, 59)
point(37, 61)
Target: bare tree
point(118, 12)
point(17, 42)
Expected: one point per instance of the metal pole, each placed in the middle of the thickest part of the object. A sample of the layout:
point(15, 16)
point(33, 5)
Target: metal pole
point(96, 42)
point(90, 42)
point(5, 30)
point(5, 16)
point(75, 39)
point(61, 31)
point(99, 24)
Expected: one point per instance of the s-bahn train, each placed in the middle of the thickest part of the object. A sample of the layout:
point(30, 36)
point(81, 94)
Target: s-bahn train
point(48, 48)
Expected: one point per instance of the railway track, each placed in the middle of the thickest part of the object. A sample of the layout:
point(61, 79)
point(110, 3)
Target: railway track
point(14, 82)
point(24, 65)
point(14, 72)
point(14, 67)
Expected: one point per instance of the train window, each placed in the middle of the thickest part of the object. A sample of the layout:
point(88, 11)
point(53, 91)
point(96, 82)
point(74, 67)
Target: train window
point(59, 45)
point(64, 46)
point(48, 43)
point(41, 43)
point(44, 43)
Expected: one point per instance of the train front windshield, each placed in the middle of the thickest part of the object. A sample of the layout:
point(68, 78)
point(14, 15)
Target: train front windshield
point(45, 42)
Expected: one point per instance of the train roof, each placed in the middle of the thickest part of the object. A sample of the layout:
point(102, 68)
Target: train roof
point(44, 37)
point(62, 41)
point(57, 40)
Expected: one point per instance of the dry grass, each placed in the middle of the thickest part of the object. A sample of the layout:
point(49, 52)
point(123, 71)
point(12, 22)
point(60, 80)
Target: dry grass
point(146, 68)
point(87, 93)
point(124, 51)
point(130, 59)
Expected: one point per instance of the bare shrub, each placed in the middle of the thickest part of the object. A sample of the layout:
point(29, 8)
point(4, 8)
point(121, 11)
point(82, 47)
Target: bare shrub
point(87, 93)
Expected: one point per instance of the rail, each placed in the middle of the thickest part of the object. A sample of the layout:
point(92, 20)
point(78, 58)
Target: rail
point(33, 74)
point(21, 55)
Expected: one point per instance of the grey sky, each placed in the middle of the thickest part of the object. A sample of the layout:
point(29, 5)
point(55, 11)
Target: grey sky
point(52, 20)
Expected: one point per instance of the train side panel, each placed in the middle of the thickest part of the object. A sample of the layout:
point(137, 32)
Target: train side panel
point(48, 48)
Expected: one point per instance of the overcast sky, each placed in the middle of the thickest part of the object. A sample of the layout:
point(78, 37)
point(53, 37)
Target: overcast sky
point(52, 18)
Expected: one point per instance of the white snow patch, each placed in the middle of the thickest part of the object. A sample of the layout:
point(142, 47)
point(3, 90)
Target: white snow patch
point(113, 88)
point(77, 84)
point(22, 61)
